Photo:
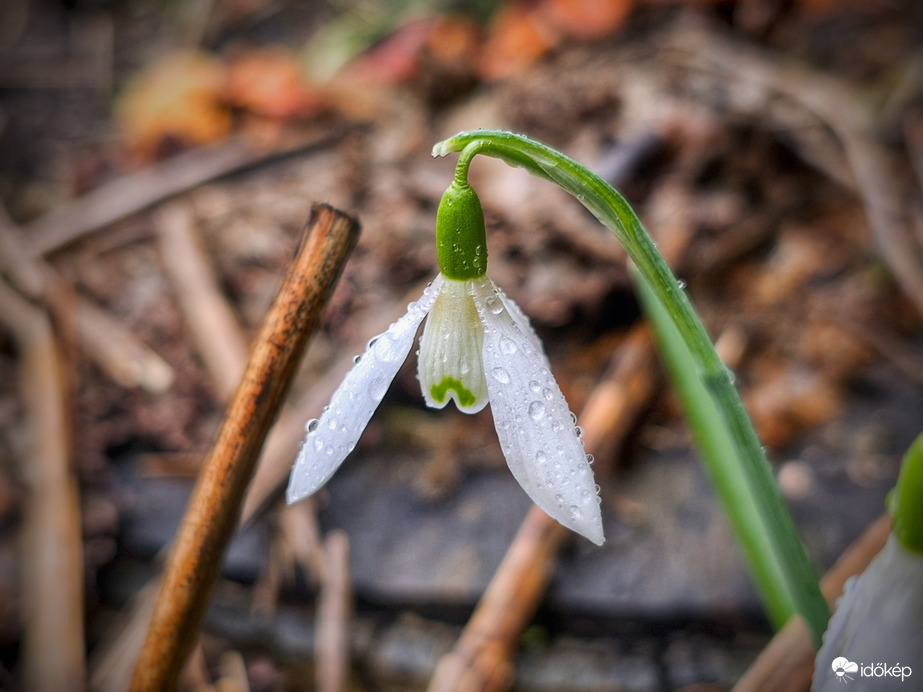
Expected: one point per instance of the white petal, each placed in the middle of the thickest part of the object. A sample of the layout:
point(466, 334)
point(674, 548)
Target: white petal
point(450, 364)
point(331, 438)
point(878, 619)
point(536, 429)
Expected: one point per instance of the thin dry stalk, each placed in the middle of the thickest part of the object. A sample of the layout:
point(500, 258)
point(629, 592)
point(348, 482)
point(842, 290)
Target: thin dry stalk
point(334, 616)
point(482, 659)
point(208, 316)
point(104, 341)
point(137, 191)
point(196, 558)
point(787, 662)
point(52, 546)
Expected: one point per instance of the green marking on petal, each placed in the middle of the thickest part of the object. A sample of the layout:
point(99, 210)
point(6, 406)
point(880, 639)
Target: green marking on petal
point(465, 396)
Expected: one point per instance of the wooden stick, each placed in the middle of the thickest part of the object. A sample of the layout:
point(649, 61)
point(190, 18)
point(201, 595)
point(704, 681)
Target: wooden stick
point(52, 560)
point(209, 318)
point(787, 662)
point(196, 558)
point(334, 615)
point(102, 339)
point(137, 191)
point(482, 657)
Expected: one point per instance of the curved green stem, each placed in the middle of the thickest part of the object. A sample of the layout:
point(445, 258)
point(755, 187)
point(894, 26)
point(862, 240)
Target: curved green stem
point(779, 552)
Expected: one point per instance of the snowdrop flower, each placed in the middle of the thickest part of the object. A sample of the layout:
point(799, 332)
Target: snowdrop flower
point(875, 637)
point(477, 347)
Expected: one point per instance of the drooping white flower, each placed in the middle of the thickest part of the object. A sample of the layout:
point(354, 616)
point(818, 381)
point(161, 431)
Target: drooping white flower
point(477, 347)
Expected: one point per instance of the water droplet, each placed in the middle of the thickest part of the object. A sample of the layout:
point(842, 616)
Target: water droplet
point(500, 375)
point(378, 388)
point(681, 284)
point(573, 417)
point(578, 431)
point(731, 376)
point(465, 368)
point(590, 459)
point(332, 424)
point(548, 394)
point(556, 426)
point(318, 444)
point(311, 425)
point(535, 386)
point(372, 342)
point(329, 450)
point(351, 445)
point(507, 346)
point(575, 513)
point(494, 305)
point(536, 410)
point(559, 499)
point(540, 457)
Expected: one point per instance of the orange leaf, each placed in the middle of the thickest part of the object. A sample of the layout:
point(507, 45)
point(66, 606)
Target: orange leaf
point(270, 82)
point(517, 37)
point(174, 102)
point(587, 20)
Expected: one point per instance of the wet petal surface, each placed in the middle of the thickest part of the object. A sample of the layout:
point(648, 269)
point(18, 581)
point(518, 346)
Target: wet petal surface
point(537, 432)
point(333, 436)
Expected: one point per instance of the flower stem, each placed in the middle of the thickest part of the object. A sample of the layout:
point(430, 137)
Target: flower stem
point(776, 553)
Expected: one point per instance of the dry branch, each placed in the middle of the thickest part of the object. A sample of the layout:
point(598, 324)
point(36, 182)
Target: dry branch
point(334, 615)
point(137, 191)
point(102, 339)
point(196, 558)
point(208, 316)
point(52, 545)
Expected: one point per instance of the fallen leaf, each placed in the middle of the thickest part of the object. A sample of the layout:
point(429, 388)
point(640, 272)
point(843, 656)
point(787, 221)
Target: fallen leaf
point(587, 20)
point(269, 82)
point(517, 37)
point(174, 103)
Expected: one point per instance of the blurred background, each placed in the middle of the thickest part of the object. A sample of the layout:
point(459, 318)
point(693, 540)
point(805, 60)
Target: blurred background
point(158, 161)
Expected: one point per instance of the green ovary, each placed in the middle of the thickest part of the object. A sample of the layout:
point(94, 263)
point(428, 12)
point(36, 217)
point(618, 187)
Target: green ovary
point(439, 391)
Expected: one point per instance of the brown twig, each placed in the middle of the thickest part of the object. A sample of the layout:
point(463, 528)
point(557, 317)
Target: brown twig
point(482, 657)
point(334, 615)
point(195, 560)
point(52, 565)
point(787, 662)
point(137, 191)
point(208, 316)
point(114, 349)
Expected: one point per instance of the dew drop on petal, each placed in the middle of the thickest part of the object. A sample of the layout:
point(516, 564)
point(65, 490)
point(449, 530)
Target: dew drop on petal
point(575, 513)
point(573, 418)
point(540, 457)
point(356, 359)
point(372, 342)
point(578, 431)
point(536, 410)
point(500, 375)
point(548, 394)
point(535, 386)
point(311, 425)
point(318, 444)
point(378, 388)
point(507, 346)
